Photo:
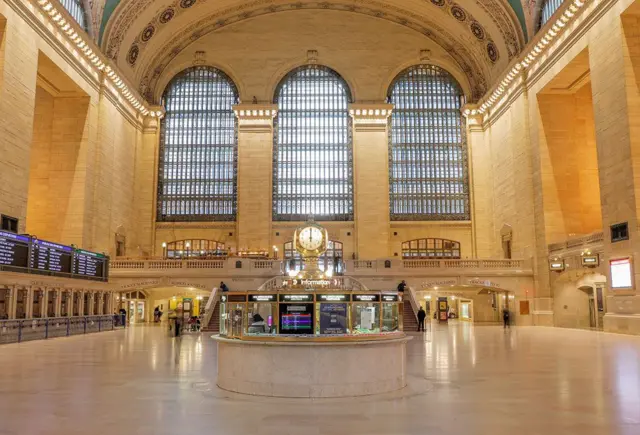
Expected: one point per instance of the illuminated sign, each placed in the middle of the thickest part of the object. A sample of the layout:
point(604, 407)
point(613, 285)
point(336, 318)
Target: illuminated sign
point(556, 265)
point(296, 298)
point(590, 260)
point(389, 298)
point(237, 298)
point(333, 298)
point(621, 273)
point(366, 298)
point(262, 298)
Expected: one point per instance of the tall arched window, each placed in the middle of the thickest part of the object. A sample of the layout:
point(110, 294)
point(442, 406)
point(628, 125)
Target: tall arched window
point(427, 147)
point(312, 152)
point(549, 7)
point(76, 10)
point(198, 148)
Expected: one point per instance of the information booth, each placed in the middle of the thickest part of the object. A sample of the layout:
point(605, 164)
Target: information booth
point(309, 314)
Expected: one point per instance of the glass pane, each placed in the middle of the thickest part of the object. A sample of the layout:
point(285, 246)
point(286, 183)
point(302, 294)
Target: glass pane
point(312, 171)
point(427, 147)
point(76, 10)
point(198, 148)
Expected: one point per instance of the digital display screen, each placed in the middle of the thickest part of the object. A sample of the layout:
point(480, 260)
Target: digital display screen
point(366, 298)
point(90, 264)
point(621, 273)
point(50, 256)
point(296, 298)
point(262, 298)
point(14, 250)
point(296, 318)
point(333, 318)
point(333, 298)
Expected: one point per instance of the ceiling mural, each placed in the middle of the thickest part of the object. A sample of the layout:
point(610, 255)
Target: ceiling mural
point(142, 36)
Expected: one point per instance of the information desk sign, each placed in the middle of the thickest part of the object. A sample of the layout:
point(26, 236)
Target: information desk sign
point(90, 264)
point(262, 298)
point(14, 250)
point(366, 298)
point(284, 297)
point(389, 298)
point(331, 297)
point(50, 256)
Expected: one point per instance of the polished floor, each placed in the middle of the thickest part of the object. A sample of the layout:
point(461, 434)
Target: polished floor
point(463, 380)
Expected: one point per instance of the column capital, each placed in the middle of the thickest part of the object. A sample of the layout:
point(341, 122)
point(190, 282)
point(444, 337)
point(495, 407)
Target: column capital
point(370, 116)
point(255, 117)
point(472, 115)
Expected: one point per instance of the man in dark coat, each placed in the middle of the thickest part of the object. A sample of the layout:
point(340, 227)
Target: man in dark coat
point(421, 316)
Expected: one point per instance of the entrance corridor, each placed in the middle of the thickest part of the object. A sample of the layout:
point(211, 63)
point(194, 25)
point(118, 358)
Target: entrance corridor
point(463, 379)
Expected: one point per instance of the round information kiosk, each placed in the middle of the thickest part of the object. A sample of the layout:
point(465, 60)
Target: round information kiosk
point(311, 335)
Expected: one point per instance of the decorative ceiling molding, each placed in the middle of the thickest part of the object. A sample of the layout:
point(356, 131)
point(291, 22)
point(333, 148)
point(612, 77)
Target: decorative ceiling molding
point(475, 63)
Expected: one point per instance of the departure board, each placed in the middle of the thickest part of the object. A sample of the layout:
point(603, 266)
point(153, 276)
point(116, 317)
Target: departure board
point(50, 256)
point(14, 250)
point(90, 264)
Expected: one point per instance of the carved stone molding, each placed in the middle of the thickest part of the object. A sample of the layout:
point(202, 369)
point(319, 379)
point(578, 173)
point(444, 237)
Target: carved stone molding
point(255, 117)
point(370, 116)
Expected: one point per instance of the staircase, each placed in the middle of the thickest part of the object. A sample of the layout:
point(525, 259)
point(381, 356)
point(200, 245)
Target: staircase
point(410, 322)
point(214, 323)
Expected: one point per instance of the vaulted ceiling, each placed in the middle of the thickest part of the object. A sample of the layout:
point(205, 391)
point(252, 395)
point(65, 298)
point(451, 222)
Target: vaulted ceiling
point(143, 36)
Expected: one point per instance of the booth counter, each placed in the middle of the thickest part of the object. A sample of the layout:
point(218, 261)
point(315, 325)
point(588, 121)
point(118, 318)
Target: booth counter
point(310, 315)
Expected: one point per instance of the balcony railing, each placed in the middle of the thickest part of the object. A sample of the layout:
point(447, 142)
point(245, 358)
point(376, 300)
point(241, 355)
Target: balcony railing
point(578, 242)
point(232, 266)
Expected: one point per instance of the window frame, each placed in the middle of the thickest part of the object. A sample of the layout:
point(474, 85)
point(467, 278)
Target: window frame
point(297, 199)
point(424, 145)
point(201, 165)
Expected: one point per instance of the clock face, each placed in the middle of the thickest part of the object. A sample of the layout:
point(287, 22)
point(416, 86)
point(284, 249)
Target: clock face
point(310, 238)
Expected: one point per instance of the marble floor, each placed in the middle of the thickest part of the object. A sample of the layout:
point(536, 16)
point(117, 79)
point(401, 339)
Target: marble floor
point(462, 380)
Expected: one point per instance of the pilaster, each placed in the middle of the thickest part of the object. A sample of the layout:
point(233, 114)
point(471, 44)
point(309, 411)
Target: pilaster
point(255, 166)
point(371, 178)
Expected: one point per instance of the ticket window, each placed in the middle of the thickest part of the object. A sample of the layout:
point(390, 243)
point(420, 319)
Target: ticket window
point(64, 304)
point(87, 298)
point(261, 318)
point(21, 304)
point(390, 317)
point(237, 318)
point(224, 318)
point(51, 303)
point(365, 318)
point(38, 296)
point(4, 303)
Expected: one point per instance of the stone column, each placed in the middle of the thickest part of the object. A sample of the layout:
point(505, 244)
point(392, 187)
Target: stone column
point(13, 296)
point(58, 303)
point(371, 179)
point(98, 299)
point(480, 186)
point(255, 163)
point(616, 103)
point(28, 309)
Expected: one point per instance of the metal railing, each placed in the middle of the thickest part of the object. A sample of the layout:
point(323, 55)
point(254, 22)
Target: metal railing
point(17, 331)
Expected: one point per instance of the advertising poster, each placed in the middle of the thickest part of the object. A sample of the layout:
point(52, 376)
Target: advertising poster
point(333, 318)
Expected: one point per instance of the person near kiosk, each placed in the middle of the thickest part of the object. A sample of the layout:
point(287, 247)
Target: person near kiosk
point(223, 287)
point(505, 318)
point(422, 314)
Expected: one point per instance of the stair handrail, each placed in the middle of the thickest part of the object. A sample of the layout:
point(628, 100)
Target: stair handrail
point(211, 304)
point(413, 300)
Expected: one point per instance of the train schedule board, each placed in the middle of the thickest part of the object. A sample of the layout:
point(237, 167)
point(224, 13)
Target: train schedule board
point(49, 256)
point(14, 250)
point(90, 264)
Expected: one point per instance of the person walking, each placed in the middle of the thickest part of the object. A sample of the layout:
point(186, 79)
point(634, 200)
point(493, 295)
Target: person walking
point(422, 314)
point(223, 287)
point(505, 318)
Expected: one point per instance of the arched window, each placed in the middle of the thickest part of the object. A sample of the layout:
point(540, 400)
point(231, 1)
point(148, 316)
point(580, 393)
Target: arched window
point(312, 152)
point(198, 148)
point(76, 10)
point(427, 147)
point(549, 7)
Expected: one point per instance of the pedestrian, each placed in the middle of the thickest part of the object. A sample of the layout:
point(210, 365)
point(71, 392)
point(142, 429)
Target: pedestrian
point(156, 310)
point(421, 316)
point(123, 317)
point(505, 317)
point(402, 286)
point(223, 287)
